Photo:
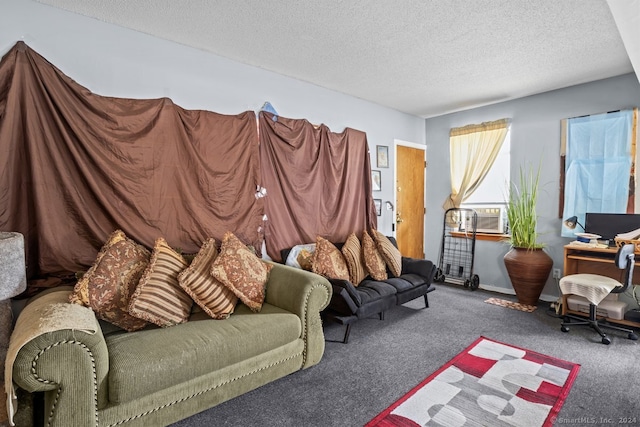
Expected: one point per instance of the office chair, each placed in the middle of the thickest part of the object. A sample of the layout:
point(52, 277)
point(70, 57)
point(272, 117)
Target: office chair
point(595, 288)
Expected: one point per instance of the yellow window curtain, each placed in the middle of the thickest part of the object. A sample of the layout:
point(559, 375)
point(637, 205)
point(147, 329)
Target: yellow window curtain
point(473, 150)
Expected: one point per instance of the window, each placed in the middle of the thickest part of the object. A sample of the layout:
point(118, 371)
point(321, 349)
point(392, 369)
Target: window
point(480, 165)
point(495, 186)
point(473, 151)
point(598, 158)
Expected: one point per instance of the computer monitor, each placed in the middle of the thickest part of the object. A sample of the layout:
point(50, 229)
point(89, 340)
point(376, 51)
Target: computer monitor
point(608, 225)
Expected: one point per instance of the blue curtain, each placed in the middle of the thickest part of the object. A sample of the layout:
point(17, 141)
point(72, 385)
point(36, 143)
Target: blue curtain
point(598, 165)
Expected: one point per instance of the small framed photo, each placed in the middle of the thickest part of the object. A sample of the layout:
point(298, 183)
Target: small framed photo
point(376, 180)
point(378, 204)
point(382, 156)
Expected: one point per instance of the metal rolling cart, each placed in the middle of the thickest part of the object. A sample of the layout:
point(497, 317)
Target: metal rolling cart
point(458, 248)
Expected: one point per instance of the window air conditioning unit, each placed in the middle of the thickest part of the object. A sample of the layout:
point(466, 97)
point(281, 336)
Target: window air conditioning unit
point(491, 218)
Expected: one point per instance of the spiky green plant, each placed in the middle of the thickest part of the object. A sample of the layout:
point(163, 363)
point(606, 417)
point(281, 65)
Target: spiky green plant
point(521, 211)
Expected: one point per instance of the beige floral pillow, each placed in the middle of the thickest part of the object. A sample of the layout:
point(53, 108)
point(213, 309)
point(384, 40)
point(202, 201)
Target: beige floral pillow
point(240, 270)
point(389, 252)
point(352, 251)
point(109, 284)
point(158, 298)
point(328, 261)
point(210, 294)
point(372, 258)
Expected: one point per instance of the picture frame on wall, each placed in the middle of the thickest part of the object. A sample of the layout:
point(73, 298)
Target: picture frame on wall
point(382, 156)
point(376, 180)
point(378, 204)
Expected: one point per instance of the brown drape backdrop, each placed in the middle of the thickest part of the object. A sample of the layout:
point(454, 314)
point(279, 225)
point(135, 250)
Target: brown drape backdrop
point(318, 182)
point(74, 166)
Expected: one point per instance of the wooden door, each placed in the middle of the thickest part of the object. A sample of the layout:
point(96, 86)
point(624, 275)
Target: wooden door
point(410, 209)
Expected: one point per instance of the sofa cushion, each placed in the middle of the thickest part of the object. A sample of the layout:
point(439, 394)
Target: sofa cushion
point(209, 293)
point(372, 258)
point(240, 270)
point(158, 298)
point(372, 290)
point(152, 360)
point(108, 285)
point(376, 297)
point(390, 254)
point(328, 261)
point(352, 251)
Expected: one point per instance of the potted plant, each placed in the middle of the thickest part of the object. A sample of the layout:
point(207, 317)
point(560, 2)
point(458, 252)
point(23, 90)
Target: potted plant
point(528, 265)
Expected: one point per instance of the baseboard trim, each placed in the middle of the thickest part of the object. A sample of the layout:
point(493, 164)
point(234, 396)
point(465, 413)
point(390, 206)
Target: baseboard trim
point(543, 297)
point(501, 290)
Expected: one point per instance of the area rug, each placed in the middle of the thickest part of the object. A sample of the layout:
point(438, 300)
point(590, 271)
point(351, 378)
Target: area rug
point(511, 304)
point(488, 384)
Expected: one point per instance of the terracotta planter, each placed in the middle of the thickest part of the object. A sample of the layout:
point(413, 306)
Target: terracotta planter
point(528, 270)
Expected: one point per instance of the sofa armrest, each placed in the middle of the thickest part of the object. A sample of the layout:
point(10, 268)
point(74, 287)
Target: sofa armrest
point(421, 267)
point(349, 289)
point(341, 301)
point(305, 294)
point(58, 348)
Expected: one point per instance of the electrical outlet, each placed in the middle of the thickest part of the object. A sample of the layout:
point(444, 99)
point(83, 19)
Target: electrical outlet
point(556, 273)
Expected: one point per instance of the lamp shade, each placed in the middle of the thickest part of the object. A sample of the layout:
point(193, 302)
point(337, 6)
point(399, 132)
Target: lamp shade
point(13, 274)
point(571, 223)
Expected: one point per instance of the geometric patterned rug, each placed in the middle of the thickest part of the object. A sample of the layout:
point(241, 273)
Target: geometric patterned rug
point(511, 304)
point(487, 384)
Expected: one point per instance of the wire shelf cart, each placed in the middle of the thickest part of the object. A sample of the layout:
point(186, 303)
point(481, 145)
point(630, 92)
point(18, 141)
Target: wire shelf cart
point(458, 248)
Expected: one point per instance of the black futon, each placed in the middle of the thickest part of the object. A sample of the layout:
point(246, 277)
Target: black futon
point(372, 297)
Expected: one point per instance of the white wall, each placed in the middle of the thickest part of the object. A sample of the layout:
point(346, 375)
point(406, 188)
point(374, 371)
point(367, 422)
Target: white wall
point(535, 137)
point(114, 61)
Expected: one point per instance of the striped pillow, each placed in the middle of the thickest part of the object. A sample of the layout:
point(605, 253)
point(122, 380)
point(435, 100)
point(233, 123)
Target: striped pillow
point(372, 258)
point(158, 298)
point(352, 251)
point(213, 297)
point(389, 252)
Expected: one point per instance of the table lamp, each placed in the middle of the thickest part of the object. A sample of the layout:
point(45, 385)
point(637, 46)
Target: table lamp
point(571, 223)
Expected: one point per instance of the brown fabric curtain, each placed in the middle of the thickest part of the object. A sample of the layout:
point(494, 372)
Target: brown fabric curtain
point(318, 182)
point(74, 166)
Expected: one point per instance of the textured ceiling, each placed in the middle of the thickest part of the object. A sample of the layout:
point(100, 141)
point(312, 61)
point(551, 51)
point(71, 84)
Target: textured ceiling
point(422, 57)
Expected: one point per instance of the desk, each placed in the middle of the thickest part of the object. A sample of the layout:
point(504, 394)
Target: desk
point(583, 259)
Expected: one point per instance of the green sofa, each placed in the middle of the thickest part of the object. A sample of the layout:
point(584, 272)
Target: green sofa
point(157, 376)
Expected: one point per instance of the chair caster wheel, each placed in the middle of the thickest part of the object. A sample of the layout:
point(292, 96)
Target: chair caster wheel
point(564, 328)
point(606, 340)
point(633, 336)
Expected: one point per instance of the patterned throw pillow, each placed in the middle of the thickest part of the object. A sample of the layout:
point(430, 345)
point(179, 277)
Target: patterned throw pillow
point(80, 294)
point(158, 298)
point(328, 261)
point(372, 258)
point(389, 252)
point(352, 251)
point(240, 270)
point(212, 297)
point(111, 281)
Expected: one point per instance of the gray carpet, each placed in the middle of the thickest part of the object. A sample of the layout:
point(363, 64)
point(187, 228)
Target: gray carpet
point(386, 358)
